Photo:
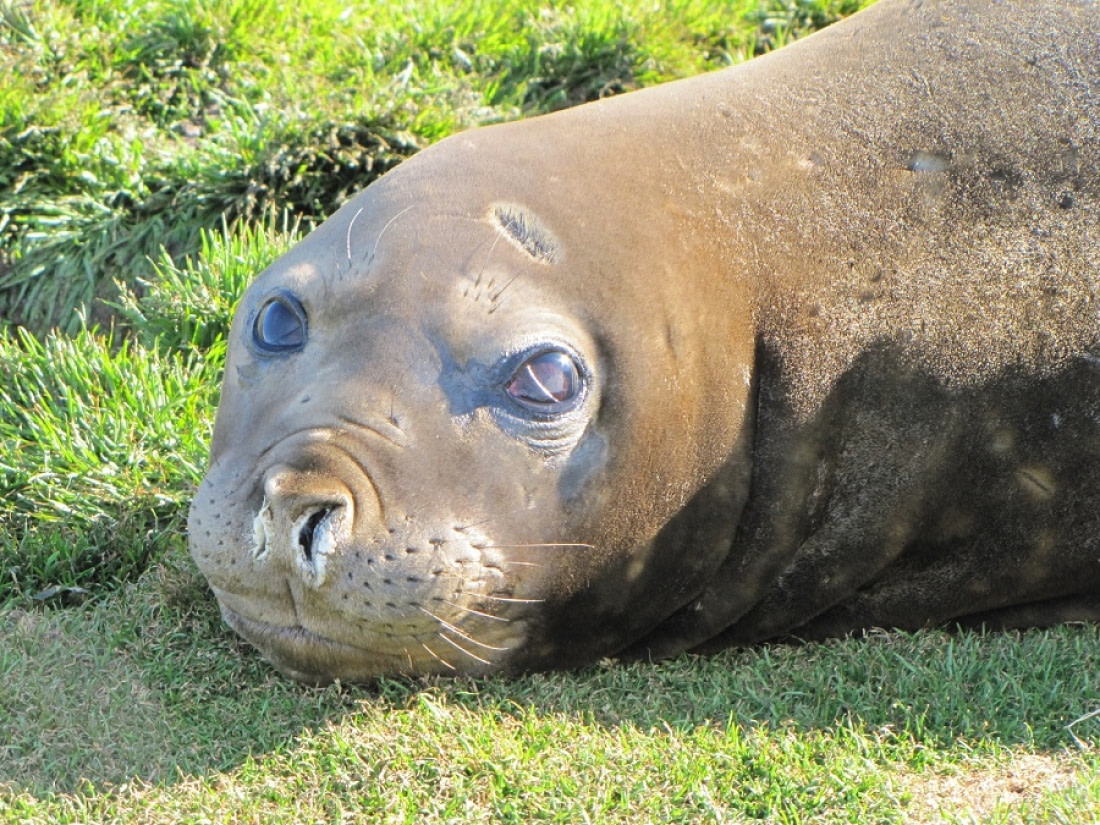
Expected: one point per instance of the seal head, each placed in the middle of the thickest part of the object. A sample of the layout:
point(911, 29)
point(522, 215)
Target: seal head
point(428, 443)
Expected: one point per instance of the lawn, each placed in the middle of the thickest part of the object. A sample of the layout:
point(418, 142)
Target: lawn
point(154, 157)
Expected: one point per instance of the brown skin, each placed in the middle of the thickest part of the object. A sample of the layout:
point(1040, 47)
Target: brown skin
point(834, 320)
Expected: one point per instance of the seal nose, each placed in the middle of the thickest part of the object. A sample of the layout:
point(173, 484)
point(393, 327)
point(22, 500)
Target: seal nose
point(304, 518)
point(308, 534)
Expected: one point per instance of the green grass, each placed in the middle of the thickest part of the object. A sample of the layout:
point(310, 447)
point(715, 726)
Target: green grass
point(125, 128)
point(104, 437)
point(173, 719)
point(154, 157)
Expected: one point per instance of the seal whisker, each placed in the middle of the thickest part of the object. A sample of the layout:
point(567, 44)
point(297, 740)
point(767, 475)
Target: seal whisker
point(439, 658)
point(457, 646)
point(389, 223)
point(351, 223)
point(392, 419)
point(459, 632)
point(494, 299)
point(477, 612)
point(462, 528)
point(525, 546)
point(485, 264)
point(512, 600)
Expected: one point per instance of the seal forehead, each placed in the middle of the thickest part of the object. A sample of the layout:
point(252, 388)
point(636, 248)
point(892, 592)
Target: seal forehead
point(526, 231)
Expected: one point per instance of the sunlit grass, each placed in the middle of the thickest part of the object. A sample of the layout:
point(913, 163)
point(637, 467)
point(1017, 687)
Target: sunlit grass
point(144, 707)
point(126, 127)
point(174, 719)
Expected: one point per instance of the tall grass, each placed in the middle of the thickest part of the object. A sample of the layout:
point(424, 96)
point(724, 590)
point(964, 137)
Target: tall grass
point(103, 437)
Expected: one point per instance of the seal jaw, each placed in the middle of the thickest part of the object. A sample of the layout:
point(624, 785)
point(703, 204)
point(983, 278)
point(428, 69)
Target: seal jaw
point(308, 657)
point(437, 645)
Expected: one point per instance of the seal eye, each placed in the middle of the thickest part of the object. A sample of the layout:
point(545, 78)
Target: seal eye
point(280, 326)
point(548, 382)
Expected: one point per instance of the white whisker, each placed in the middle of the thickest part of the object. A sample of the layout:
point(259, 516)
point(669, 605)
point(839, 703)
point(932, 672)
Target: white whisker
point(495, 297)
point(389, 223)
point(523, 546)
point(350, 225)
point(465, 636)
point(512, 601)
point(457, 646)
point(477, 612)
point(442, 661)
point(492, 247)
point(460, 528)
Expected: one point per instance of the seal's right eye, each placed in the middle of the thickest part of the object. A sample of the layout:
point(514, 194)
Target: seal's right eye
point(548, 382)
point(280, 326)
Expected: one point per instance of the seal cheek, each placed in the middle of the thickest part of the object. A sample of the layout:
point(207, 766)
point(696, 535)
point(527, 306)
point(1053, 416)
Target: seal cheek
point(583, 466)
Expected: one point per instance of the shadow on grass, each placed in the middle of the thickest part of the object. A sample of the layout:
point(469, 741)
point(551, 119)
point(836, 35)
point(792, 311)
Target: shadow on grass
point(150, 686)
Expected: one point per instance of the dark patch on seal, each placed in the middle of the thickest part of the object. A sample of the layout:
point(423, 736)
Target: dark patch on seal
point(1007, 179)
point(527, 231)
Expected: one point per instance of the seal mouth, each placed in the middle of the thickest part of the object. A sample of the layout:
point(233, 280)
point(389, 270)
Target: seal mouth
point(290, 635)
point(309, 657)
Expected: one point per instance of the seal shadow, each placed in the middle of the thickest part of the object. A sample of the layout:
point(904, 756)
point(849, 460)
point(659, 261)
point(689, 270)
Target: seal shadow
point(908, 500)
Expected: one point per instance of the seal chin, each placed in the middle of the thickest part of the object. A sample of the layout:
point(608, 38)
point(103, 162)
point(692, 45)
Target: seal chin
point(314, 659)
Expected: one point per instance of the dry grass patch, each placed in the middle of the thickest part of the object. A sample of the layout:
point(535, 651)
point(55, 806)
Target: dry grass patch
point(1004, 791)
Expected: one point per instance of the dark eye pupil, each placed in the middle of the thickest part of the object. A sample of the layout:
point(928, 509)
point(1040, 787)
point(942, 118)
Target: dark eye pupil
point(279, 328)
point(546, 380)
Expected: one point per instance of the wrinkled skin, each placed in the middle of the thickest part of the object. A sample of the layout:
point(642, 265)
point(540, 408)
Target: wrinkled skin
point(793, 349)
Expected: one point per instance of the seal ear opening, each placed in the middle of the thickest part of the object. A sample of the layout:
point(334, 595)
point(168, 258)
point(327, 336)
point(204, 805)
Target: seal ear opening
point(526, 231)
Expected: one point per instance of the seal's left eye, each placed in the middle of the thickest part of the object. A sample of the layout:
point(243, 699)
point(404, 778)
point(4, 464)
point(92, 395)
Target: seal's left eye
point(280, 325)
point(548, 382)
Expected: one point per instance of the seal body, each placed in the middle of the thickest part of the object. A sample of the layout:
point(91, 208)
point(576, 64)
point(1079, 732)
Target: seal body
point(792, 349)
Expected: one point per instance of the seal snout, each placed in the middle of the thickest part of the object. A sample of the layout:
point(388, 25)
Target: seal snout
point(304, 519)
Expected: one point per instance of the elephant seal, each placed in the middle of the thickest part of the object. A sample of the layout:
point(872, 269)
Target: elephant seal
point(788, 350)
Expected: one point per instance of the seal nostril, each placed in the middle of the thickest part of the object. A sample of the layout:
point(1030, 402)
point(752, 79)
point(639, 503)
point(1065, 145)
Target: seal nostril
point(308, 532)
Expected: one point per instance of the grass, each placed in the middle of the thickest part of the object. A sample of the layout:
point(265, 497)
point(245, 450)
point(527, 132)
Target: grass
point(105, 436)
point(153, 158)
point(175, 720)
point(125, 128)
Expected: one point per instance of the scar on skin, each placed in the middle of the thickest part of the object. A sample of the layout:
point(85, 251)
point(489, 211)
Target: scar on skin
point(526, 231)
